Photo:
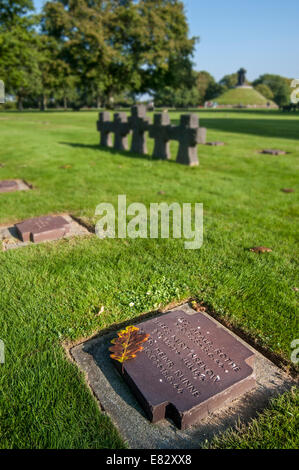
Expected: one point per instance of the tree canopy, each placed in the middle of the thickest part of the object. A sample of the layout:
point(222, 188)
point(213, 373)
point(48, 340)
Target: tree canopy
point(93, 52)
point(279, 86)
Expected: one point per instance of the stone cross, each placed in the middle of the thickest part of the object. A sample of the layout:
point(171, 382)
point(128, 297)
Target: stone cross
point(188, 134)
point(121, 131)
point(139, 123)
point(160, 131)
point(105, 127)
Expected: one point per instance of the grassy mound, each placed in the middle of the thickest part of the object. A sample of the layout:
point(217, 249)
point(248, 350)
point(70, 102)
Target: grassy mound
point(243, 96)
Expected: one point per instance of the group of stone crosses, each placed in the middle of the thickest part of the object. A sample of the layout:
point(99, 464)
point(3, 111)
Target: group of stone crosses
point(188, 134)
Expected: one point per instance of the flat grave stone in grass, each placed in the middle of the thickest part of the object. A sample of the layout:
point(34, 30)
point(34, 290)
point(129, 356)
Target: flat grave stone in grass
point(121, 404)
point(188, 368)
point(8, 186)
point(40, 229)
point(273, 152)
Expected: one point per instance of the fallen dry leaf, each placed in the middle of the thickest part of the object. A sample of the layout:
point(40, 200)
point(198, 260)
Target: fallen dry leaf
point(261, 249)
point(65, 167)
point(128, 344)
point(198, 307)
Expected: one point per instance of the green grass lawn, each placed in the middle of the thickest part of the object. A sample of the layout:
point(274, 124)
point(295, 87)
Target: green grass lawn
point(50, 293)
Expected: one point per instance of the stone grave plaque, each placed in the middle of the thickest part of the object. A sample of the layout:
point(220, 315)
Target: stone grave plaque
point(189, 367)
point(274, 152)
point(41, 229)
point(8, 185)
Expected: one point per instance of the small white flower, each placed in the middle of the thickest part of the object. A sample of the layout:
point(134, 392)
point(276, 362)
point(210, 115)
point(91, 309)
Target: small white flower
point(148, 293)
point(132, 304)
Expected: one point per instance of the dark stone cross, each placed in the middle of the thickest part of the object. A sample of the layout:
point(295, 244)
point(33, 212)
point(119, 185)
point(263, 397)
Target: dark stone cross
point(139, 123)
point(105, 127)
point(188, 134)
point(160, 130)
point(121, 129)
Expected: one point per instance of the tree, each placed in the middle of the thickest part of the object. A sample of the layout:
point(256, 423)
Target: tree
point(208, 88)
point(19, 49)
point(214, 90)
point(280, 87)
point(229, 81)
point(183, 97)
point(114, 45)
point(265, 91)
point(14, 13)
point(204, 80)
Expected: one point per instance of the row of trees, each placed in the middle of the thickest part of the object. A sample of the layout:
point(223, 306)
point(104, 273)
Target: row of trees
point(99, 52)
point(92, 51)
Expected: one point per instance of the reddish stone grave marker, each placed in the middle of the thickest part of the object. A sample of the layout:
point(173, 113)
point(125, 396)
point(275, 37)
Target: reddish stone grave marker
point(273, 152)
point(8, 185)
point(189, 367)
point(44, 228)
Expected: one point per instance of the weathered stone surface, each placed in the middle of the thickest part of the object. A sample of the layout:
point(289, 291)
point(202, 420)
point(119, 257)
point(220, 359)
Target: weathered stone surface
point(105, 127)
point(160, 130)
point(273, 152)
point(8, 186)
point(202, 135)
point(188, 134)
point(121, 130)
point(188, 368)
point(139, 124)
point(42, 228)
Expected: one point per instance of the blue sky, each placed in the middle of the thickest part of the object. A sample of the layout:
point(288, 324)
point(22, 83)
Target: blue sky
point(260, 35)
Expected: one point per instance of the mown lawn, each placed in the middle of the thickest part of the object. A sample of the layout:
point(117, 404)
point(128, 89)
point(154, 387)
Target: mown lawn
point(51, 292)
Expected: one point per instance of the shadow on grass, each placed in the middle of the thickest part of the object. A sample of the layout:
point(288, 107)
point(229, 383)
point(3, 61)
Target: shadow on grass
point(111, 150)
point(278, 128)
